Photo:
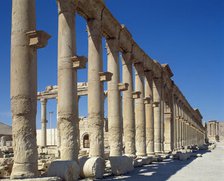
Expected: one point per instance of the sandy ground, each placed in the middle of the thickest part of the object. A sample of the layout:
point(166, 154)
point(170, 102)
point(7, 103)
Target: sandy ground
point(209, 167)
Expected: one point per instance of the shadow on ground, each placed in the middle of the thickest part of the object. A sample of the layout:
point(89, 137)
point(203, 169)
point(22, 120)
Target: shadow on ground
point(158, 171)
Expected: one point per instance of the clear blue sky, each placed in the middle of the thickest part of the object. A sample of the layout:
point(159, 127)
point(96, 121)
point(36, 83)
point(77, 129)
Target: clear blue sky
point(186, 34)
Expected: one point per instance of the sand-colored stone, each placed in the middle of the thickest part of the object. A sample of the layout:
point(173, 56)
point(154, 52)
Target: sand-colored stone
point(67, 170)
point(121, 164)
point(128, 106)
point(67, 92)
point(114, 102)
point(140, 137)
point(92, 167)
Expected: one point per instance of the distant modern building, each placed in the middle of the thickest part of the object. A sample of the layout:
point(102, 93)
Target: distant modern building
point(215, 130)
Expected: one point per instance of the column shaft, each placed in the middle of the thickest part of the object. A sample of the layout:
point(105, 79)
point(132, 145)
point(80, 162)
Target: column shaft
point(140, 116)
point(157, 115)
point(23, 90)
point(149, 115)
point(67, 116)
point(95, 91)
point(128, 106)
point(43, 122)
point(114, 108)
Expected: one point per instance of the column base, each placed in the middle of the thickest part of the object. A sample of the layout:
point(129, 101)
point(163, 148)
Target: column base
point(20, 171)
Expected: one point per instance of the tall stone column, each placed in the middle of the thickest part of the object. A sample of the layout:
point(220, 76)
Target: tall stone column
point(167, 132)
point(149, 114)
point(114, 108)
point(174, 122)
point(162, 102)
point(67, 116)
point(157, 114)
point(128, 106)
point(24, 43)
point(43, 122)
point(95, 91)
point(140, 139)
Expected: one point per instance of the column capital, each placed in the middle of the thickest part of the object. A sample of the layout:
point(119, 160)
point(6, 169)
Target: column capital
point(123, 86)
point(43, 101)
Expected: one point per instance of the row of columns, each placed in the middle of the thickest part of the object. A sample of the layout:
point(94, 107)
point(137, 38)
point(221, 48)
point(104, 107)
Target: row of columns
point(144, 124)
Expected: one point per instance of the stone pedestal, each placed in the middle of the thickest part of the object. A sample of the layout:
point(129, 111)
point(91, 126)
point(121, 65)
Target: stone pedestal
point(67, 115)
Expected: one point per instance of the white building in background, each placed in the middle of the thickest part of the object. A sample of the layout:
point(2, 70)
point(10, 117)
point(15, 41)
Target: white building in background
point(51, 136)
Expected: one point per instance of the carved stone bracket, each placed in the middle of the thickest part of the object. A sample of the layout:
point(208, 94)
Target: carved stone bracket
point(38, 39)
point(79, 62)
point(147, 100)
point(156, 104)
point(136, 94)
point(105, 76)
point(123, 86)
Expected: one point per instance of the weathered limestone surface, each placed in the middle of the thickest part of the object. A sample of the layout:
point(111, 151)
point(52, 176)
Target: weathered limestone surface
point(67, 117)
point(121, 164)
point(23, 89)
point(92, 167)
point(95, 91)
point(43, 122)
point(128, 106)
point(67, 170)
point(157, 115)
point(149, 114)
point(114, 103)
point(140, 113)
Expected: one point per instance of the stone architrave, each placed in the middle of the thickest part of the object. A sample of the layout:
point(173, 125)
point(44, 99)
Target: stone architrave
point(114, 107)
point(67, 92)
point(128, 106)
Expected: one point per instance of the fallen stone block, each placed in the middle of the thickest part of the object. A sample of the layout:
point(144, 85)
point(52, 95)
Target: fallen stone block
point(147, 160)
point(121, 164)
point(92, 167)
point(183, 156)
point(137, 162)
point(65, 169)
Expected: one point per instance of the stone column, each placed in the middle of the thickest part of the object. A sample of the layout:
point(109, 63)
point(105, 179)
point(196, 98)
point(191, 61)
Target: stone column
point(157, 114)
point(114, 108)
point(167, 132)
point(128, 106)
point(67, 116)
point(174, 122)
point(95, 91)
point(23, 90)
point(140, 138)
point(149, 114)
point(162, 102)
point(43, 122)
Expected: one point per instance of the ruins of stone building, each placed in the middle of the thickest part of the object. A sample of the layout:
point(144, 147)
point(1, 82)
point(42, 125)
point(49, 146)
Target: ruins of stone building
point(215, 130)
point(147, 113)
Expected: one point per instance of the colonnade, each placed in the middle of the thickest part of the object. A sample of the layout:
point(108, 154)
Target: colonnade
point(151, 118)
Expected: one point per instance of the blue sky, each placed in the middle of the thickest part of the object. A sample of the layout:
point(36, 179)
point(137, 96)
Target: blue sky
point(186, 34)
